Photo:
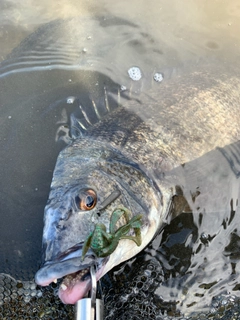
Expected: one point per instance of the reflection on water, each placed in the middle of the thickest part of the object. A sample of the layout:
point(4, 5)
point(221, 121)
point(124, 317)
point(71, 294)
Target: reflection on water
point(50, 53)
point(193, 29)
point(193, 265)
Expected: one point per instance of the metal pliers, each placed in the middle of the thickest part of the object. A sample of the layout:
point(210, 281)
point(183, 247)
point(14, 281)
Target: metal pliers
point(90, 308)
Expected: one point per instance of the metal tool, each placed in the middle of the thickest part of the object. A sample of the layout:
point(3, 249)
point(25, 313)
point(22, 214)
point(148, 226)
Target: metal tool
point(90, 308)
point(112, 197)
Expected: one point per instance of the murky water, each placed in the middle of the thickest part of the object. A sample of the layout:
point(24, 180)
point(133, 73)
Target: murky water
point(52, 52)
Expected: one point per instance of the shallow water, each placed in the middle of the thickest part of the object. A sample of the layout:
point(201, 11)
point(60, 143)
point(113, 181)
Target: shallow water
point(51, 54)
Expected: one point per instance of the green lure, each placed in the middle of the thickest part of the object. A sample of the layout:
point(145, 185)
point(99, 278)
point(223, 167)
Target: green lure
point(103, 243)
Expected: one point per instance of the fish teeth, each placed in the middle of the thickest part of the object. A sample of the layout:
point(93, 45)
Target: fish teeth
point(63, 287)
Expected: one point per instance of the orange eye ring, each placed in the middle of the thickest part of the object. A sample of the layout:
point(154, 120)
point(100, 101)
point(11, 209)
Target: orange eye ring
point(87, 199)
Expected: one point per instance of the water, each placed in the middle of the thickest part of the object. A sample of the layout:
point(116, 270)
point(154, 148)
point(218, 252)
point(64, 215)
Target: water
point(193, 265)
point(53, 54)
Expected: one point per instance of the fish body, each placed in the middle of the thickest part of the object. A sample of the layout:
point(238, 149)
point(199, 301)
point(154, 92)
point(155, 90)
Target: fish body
point(129, 151)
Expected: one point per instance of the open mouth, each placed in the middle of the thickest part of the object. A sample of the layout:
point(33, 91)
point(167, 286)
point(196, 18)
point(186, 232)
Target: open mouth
point(76, 285)
point(75, 273)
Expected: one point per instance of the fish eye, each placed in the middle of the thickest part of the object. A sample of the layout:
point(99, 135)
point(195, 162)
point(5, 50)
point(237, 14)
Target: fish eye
point(86, 199)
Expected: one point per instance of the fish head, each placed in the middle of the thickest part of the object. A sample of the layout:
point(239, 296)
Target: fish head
point(90, 181)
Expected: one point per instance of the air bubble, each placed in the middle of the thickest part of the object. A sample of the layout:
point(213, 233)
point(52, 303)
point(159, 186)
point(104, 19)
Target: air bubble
point(158, 77)
point(135, 73)
point(232, 298)
point(204, 238)
point(70, 100)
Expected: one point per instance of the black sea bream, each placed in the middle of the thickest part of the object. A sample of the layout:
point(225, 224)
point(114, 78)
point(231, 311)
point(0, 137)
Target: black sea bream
point(122, 160)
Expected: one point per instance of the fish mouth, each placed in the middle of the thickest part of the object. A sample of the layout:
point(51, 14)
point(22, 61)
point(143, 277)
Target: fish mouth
point(75, 273)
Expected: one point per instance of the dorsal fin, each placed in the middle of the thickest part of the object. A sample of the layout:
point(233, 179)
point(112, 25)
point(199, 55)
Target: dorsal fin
point(86, 116)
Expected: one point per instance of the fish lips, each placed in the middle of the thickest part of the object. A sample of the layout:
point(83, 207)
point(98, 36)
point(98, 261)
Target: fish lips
point(74, 270)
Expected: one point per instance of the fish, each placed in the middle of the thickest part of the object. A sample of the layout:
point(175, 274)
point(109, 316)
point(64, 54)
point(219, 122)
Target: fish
point(127, 159)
